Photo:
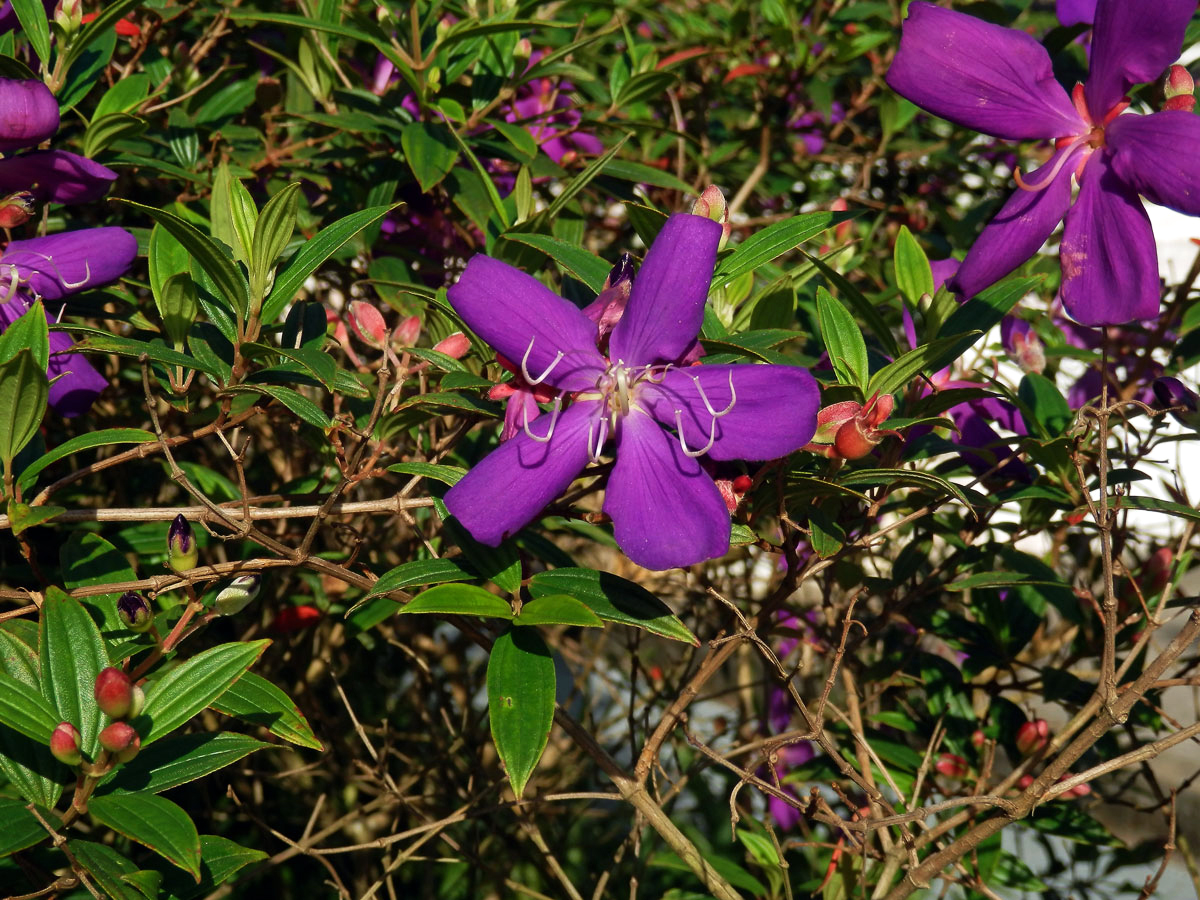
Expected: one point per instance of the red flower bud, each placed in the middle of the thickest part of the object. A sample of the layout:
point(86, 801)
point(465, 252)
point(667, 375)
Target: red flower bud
point(978, 738)
point(295, 618)
point(1033, 736)
point(17, 209)
point(64, 744)
point(368, 324)
point(952, 765)
point(121, 740)
point(407, 332)
point(711, 205)
point(114, 693)
point(456, 345)
point(850, 430)
point(742, 483)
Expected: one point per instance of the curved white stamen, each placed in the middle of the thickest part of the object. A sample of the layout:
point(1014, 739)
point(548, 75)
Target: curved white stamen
point(732, 397)
point(656, 375)
point(712, 436)
point(553, 421)
point(601, 437)
point(525, 365)
point(1067, 152)
point(69, 285)
point(14, 281)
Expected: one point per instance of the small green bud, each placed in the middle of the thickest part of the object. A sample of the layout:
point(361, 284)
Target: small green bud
point(135, 612)
point(238, 594)
point(182, 552)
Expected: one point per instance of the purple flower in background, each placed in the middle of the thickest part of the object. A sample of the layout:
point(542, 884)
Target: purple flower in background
point(51, 268)
point(1000, 81)
point(543, 106)
point(666, 510)
point(1076, 12)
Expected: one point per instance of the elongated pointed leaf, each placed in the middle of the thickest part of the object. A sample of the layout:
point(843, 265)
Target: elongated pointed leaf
point(24, 709)
point(614, 599)
point(272, 233)
point(71, 653)
point(179, 759)
point(254, 699)
point(23, 394)
point(557, 609)
point(520, 688)
point(459, 600)
point(913, 275)
point(843, 340)
point(154, 821)
point(772, 241)
point(32, 16)
point(107, 868)
point(21, 828)
point(83, 442)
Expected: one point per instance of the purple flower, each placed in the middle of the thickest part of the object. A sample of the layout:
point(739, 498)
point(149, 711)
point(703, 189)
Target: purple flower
point(666, 511)
point(51, 268)
point(1000, 81)
point(1076, 12)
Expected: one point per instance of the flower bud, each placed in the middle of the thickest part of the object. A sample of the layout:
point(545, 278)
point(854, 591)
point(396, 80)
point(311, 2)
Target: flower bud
point(295, 618)
point(406, 333)
point(121, 740)
point(1178, 88)
point(238, 594)
point(711, 205)
point(1033, 736)
point(978, 738)
point(951, 765)
point(137, 699)
point(182, 552)
point(1028, 352)
point(850, 430)
point(17, 209)
point(29, 113)
point(456, 345)
point(368, 324)
point(113, 692)
point(64, 744)
point(1156, 571)
point(135, 612)
point(69, 16)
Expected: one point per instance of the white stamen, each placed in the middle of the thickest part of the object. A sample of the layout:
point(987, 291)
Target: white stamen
point(69, 285)
point(732, 397)
point(550, 368)
point(553, 421)
point(712, 436)
point(601, 437)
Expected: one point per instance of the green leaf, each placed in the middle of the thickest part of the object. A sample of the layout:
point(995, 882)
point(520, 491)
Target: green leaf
point(21, 828)
point(211, 258)
point(107, 868)
point(450, 475)
point(255, 700)
point(979, 314)
point(580, 181)
point(24, 709)
point(178, 303)
point(429, 151)
point(220, 860)
point(459, 600)
point(23, 394)
point(894, 477)
point(108, 129)
point(180, 759)
point(71, 652)
point(557, 609)
point(22, 516)
point(1000, 580)
point(83, 442)
point(295, 401)
point(1051, 412)
point(233, 213)
point(897, 374)
point(272, 233)
point(613, 599)
point(772, 241)
point(29, 332)
point(1167, 507)
point(314, 252)
point(913, 275)
point(166, 257)
point(419, 572)
point(155, 351)
point(520, 688)
point(195, 684)
point(35, 26)
point(863, 307)
point(579, 263)
point(154, 821)
point(97, 29)
point(843, 340)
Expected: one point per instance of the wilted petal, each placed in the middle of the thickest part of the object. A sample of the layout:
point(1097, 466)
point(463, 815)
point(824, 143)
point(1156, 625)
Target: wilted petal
point(510, 309)
point(28, 113)
point(1076, 12)
point(994, 79)
point(1109, 265)
point(1156, 155)
point(65, 263)
point(773, 414)
point(56, 176)
point(666, 305)
point(1018, 230)
point(513, 483)
point(1132, 43)
point(80, 384)
point(666, 511)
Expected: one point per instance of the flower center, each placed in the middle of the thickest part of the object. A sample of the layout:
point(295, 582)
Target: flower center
point(1092, 139)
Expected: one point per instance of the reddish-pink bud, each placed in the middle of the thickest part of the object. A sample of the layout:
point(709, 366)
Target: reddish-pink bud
point(711, 205)
point(456, 345)
point(121, 740)
point(742, 483)
point(1156, 571)
point(978, 738)
point(1028, 352)
point(368, 324)
point(64, 744)
point(841, 230)
point(1033, 736)
point(850, 430)
point(407, 332)
point(17, 209)
point(952, 765)
point(1024, 782)
point(1178, 82)
point(113, 692)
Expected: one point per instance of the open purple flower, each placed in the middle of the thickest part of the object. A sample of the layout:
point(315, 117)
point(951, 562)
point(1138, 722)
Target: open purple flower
point(665, 508)
point(51, 268)
point(1000, 81)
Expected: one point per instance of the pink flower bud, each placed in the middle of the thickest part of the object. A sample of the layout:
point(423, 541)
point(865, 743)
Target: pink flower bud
point(1028, 352)
point(1033, 736)
point(17, 209)
point(841, 230)
point(64, 744)
point(113, 692)
point(367, 324)
point(952, 765)
point(1156, 571)
point(850, 430)
point(121, 740)
point(1177, 88)
point(978, 738)
point(456, 345)
point(1024, 782)
point(711, 205)
point(407, 332)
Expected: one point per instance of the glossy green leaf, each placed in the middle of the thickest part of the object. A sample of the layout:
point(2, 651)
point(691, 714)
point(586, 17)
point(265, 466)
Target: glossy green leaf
point(25, 710)
point(499, 564)
point(193, 685)
point(254, 699)
point(843, 340)
point(579, 263)
point(220, 860)
point(274, 230)
point(613, 599)
point(896, 477)
point(156, 350)
point(306, 409)
point(178, 305)
point(233, 213)
point(429, 151)
point(23, 394)
point(771, 242)
point(104, 131)
point(520, 689)
point(179, 759)
point(913, 275)
point(1051, 412)
point(557, 609)
point(35, 26)
point(107, 868)
point(21, 828)
point(459, 600)
point(864, 309)
point(83, 442)
point(71, 653)
point(29, 332)
point(584, 178)
point(419, 572)
point(979, 314)
point(153, 821)
point(449, 475)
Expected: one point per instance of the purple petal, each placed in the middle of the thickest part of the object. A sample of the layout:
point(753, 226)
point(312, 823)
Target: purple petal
point(943, 270)
point(666, 305)
point(1018, 230)
point(981, 447)
point(666, 511)
point(72, 394)
point(56, 176)
point(994, 79)
point(510, 309)
point(1076, 12)
point(773, 413)
point(1132, 43)
point(66, 263)
point(522, 407)
point(1109, 264)
point(1156, 156)
point(513, 483)
point(28, 114)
